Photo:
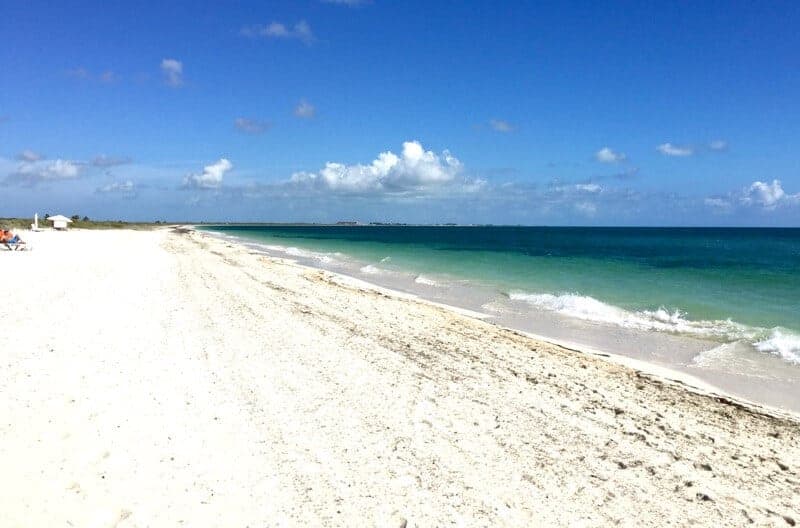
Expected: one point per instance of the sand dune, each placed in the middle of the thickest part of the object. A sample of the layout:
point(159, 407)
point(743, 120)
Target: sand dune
point(173, 379)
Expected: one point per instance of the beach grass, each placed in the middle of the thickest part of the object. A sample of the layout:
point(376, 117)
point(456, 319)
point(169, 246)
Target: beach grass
point(80, 223)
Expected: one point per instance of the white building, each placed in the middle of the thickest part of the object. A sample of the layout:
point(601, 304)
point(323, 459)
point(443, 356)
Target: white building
point(59, 221)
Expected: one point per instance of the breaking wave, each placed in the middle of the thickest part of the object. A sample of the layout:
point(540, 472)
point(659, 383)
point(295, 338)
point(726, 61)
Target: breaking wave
point(296, 252)
point(301, 253)
point(778, 341)
point(421, 279)
point(782, 343)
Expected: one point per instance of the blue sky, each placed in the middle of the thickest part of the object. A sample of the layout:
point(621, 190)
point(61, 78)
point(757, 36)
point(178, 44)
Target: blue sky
point(574, 113)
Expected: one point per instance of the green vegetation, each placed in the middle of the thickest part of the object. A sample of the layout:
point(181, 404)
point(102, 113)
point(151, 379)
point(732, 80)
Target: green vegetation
point(79, 223)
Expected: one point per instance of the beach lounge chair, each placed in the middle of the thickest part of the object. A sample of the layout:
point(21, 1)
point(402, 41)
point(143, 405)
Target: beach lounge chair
point(15, 246)
point(12, 242)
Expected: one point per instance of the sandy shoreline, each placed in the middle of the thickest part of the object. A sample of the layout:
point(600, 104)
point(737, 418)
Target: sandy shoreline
point(725, 369)
point(164, 379)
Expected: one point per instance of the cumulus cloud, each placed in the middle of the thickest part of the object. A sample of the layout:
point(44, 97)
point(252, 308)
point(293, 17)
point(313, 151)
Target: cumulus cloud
point(34, 172)
point(718, 145)
point(109, 161)
point(172, 70)
point(300, 31)
point(606, 155)
point(251, 126)
point(305, 110)
point(768, 195)
point(126, 187)
point(29, 155)
point(500, 125)
point(210, 178)
point(62, 170)
point(414, 169)
point(668, 149)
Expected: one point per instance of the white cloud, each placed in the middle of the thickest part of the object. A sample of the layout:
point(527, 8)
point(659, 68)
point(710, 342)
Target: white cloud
point(717, 203)
point(500, 125)
point(251, 126)
point(300, 31)
point(305, 110)
point(109, 161)
point(33, 172)
point(588, 187)
point(668, 149)
point(274, 29)
point(606, 155)
point(125, 187)
point(210, 178)
point(768, 195)
point(173, 72)
point(473, 186)
point(61, 170)
point(575, 188)
point(415, 169)
point(29, 155)
point(718, 145)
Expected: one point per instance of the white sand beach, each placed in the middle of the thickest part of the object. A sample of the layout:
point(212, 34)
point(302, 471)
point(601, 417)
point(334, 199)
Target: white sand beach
point(164, 378)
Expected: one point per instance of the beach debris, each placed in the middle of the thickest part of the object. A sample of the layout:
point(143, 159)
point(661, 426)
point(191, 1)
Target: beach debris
point(703, 497)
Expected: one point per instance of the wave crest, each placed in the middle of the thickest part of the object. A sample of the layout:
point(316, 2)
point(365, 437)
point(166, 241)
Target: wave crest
point(782, 343)
point(778, 341)
point(421, 279)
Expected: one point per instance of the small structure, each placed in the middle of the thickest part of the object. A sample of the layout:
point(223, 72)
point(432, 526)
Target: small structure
point(59, 222)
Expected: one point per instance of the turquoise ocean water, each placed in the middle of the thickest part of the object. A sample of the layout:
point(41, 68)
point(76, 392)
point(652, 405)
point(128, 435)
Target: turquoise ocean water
point(734, 288)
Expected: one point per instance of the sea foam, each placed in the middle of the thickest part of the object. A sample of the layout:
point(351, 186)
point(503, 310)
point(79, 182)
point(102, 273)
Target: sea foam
point(661, 319)
point(297, 252)
point(323, 258)
point(782, 343)
point(421, 279)
point(269, 247)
